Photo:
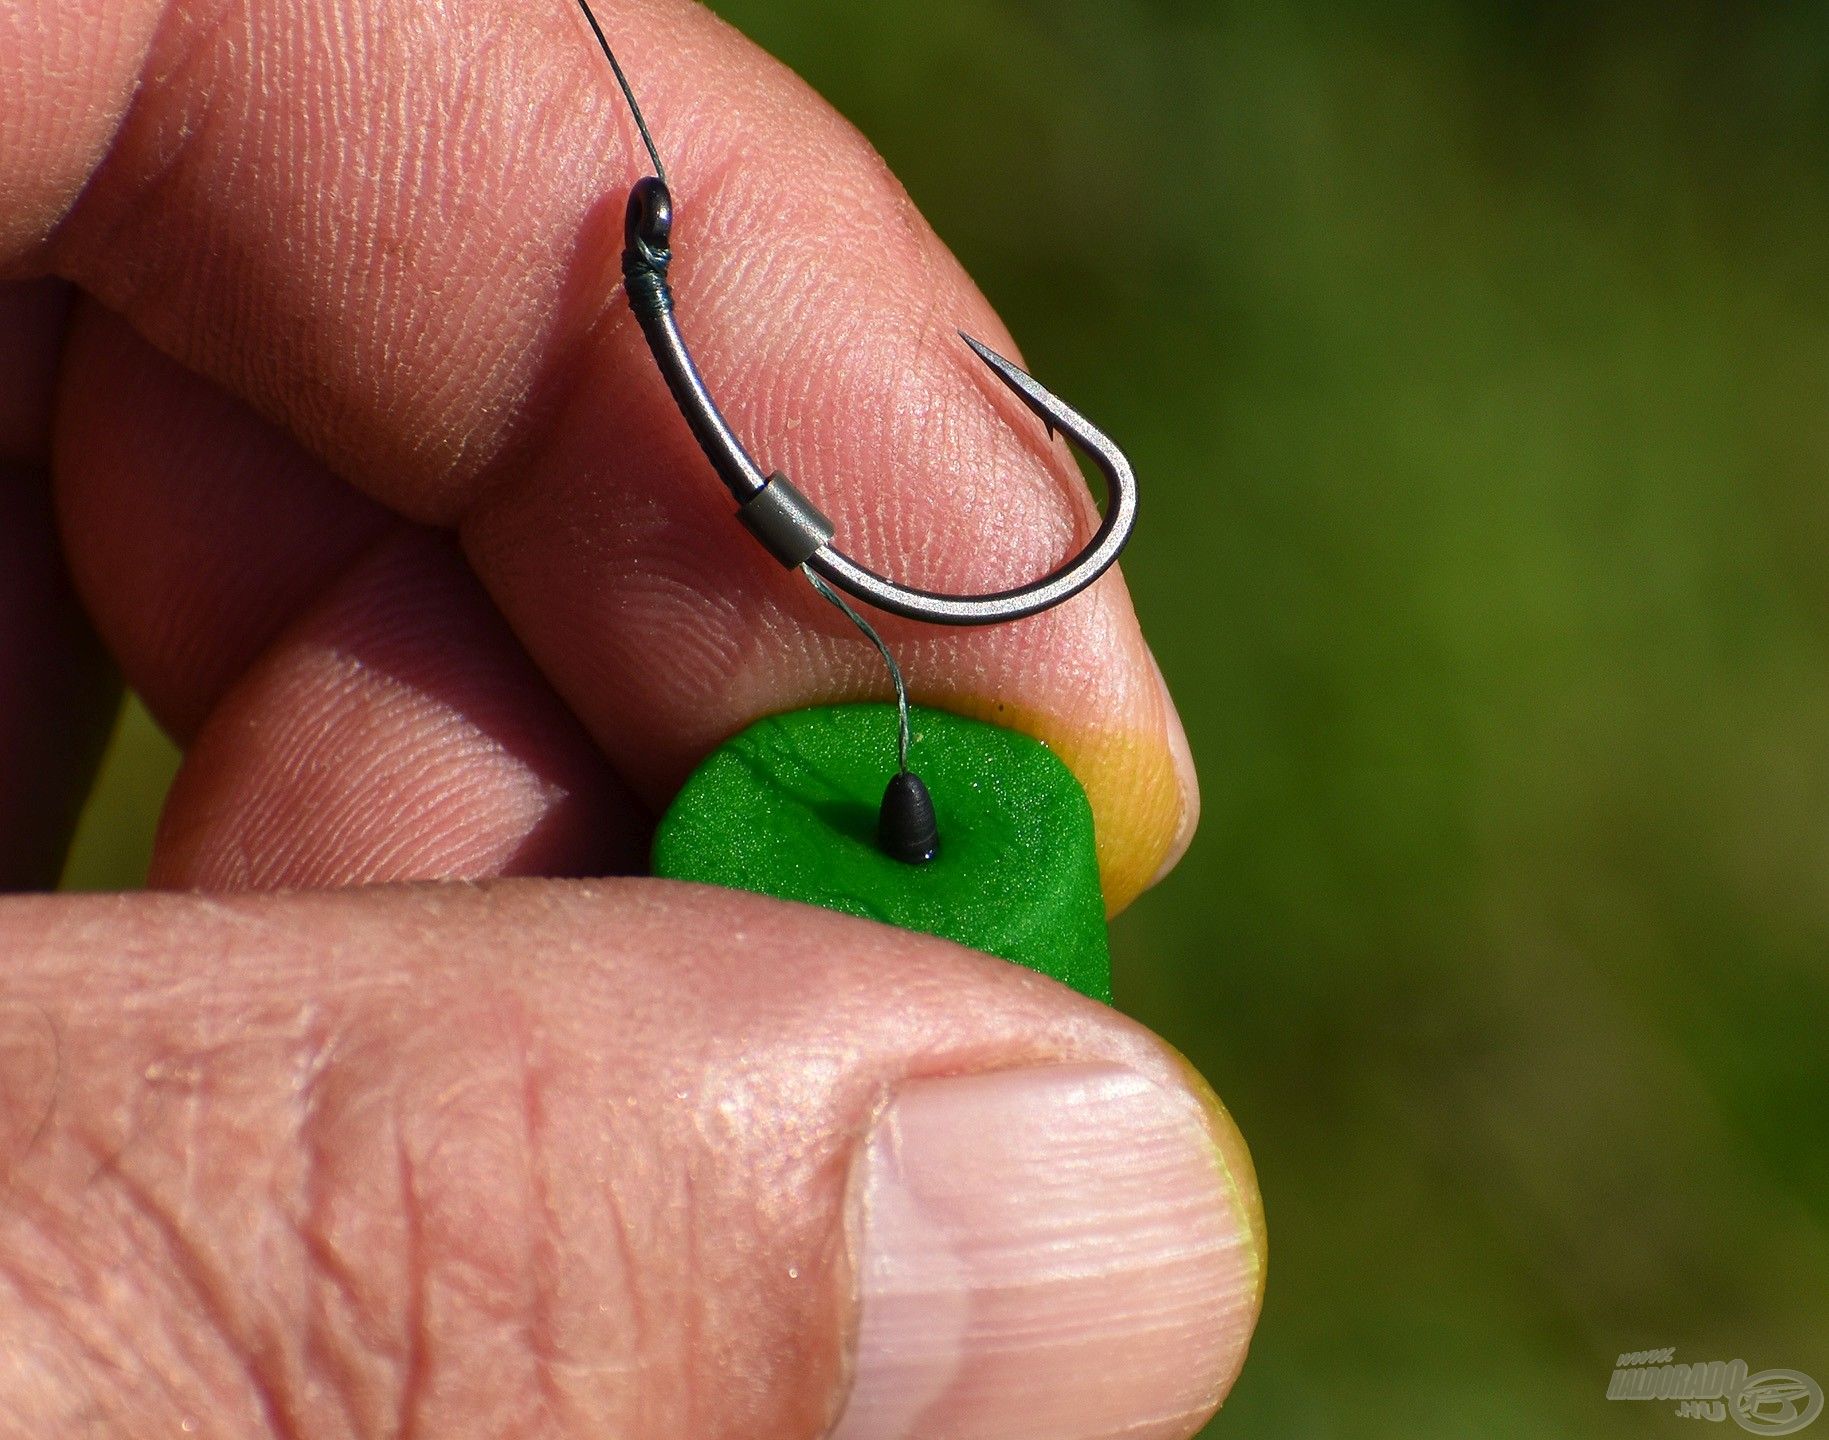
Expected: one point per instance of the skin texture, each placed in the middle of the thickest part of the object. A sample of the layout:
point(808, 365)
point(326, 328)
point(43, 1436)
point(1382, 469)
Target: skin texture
point(442, 1160)
point(392, 235)
point(322, 419)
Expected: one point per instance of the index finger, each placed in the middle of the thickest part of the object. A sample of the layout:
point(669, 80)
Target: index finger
point(394, 229)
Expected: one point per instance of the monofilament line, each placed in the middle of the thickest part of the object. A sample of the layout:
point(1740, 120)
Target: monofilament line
point(641, 124)
point(895, 670)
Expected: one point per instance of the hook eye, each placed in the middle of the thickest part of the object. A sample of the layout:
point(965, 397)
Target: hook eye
point(648, 222)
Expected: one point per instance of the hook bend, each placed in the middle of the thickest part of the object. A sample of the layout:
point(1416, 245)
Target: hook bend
point(788, 523)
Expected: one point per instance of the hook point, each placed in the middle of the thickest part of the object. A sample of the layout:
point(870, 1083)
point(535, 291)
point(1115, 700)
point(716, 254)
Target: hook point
point(1019, 381)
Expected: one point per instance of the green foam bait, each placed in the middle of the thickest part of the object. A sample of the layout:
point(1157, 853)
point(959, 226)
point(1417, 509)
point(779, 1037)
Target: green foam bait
point(793, 807)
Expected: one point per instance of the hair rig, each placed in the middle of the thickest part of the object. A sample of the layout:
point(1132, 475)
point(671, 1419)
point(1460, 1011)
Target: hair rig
point(794, 530)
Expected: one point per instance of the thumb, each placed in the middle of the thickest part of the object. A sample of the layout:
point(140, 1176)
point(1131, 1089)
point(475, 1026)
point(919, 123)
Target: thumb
point(566, 1160)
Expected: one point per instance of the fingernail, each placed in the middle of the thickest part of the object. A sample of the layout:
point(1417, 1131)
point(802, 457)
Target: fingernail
point(1183, 756)
point(1047, 1254)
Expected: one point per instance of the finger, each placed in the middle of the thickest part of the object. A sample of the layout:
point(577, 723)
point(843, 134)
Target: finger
point(369, 717)
point(61, 112)
point(394, 230)
point(396, 732)
point(195, 531)
point(456, 1163)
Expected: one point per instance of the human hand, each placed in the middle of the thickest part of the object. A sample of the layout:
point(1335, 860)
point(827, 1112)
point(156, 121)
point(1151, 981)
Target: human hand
point(368, 485)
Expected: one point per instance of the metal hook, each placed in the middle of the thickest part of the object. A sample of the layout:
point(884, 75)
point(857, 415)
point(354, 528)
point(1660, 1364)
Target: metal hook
point(789, 524)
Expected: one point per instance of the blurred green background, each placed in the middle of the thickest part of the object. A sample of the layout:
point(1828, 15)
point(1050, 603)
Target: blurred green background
point(1475, 360)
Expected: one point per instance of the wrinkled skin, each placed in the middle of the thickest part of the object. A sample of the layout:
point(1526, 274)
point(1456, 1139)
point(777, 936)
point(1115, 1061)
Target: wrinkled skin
point(323, 424)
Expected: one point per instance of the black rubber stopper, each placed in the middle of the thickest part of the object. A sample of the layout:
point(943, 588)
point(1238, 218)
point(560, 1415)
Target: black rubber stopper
point(906, 827)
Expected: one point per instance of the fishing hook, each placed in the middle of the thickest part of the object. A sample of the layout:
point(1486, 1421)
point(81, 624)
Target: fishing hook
point(792, 527)
point(777, 513)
